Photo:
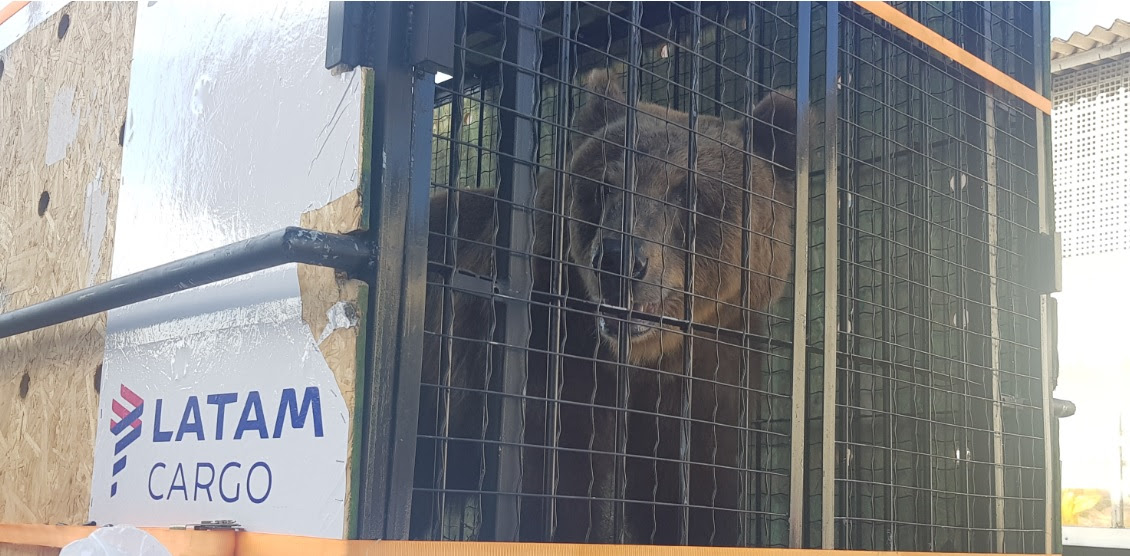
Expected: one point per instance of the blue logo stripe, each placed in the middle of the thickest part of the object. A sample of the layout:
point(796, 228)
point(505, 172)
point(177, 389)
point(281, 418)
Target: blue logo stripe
point(127, 420)
point(126, 440)
point(119, 465)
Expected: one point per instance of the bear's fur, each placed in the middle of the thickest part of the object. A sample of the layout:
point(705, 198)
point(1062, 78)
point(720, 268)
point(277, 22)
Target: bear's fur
point(594, 197)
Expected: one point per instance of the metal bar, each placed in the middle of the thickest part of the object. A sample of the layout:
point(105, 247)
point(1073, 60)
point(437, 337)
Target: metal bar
point(447, 357)
point(831, 273)
point(747, 419)
point(932, 294)
point(991, 209)
point(687, 412)
point(623, 383)
point(800, 287)
point(288, 245)
point(718, 61)
point(1042, 73)
point(517, 163)
point(372, 488)
point(557, 274)
point(848, 390)
point(411, 330)
point(402, 100)
point(890, 337)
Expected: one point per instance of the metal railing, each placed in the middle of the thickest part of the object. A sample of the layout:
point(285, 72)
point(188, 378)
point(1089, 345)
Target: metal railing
point(288, 245)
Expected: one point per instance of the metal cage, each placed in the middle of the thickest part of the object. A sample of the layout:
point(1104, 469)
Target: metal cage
point(713, 273)
point(628, 331)
point(940, 409)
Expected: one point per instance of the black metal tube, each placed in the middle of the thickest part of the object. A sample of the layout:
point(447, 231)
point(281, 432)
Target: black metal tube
point(288, 245)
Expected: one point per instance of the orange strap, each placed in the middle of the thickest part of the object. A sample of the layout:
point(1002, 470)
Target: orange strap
point(911, 27)
point(10, 9)
point(231, 543)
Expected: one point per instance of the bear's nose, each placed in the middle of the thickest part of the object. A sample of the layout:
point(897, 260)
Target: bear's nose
point(611, 261)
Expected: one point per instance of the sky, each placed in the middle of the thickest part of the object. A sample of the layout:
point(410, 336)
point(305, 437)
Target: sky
point(1082, 15)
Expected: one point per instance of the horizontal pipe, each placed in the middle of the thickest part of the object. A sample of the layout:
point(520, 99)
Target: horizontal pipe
point(288, 245)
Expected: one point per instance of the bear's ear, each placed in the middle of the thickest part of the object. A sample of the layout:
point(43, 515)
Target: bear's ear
point(604, 101)
point(774, 128)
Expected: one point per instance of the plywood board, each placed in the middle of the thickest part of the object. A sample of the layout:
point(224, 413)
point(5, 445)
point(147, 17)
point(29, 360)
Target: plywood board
point(63, 92)
point(334, 307)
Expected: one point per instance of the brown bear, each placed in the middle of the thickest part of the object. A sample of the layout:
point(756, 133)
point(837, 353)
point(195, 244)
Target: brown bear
point(644, 275)
point(453, 445)
point(450, 448)
point(647, 275)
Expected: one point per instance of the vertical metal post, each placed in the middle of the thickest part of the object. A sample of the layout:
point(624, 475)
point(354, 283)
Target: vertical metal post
point(557, 261)
point(748, 461)
point(991, 208)
point(517, 166)
point(687, 413)
point(623, 382)
point(1042, 71)
point(831, 274)
point(994, 330)
point(413, 301)
point(800, 289)
point(401, 99)
point(447, 357)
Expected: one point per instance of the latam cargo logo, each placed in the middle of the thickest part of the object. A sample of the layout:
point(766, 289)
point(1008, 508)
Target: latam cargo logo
point(216, 423)
point(129, 423)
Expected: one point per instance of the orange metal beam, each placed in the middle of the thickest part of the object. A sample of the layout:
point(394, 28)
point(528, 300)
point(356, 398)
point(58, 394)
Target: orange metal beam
point(943, 45)
point(242, 543)
point(10, 9)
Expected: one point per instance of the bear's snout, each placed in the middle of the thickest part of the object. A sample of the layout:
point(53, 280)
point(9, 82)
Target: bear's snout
point(613, 266)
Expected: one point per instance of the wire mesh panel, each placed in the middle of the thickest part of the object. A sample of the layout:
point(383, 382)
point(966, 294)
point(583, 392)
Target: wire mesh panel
point(607, 349)
point(939, 433)
point(609, 332)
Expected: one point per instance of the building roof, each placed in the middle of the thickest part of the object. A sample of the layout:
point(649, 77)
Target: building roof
point(1081, 50)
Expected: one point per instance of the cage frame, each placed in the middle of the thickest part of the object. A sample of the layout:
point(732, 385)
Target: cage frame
point(403, 76)
point(523, 30)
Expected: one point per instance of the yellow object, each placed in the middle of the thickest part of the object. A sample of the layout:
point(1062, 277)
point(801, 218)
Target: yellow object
point(1086, 507)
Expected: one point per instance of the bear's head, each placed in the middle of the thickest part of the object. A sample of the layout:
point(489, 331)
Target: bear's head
point(646, 270)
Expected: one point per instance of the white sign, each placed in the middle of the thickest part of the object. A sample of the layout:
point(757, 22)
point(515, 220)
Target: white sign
point(215, 402)
point(231, 414)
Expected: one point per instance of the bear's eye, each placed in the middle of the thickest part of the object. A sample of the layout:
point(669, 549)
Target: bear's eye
point(586, 192)
point(607, 191)
point(678, 195)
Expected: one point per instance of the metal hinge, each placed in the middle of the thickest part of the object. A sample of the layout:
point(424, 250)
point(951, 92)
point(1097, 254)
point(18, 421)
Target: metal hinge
point(1042, 263)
